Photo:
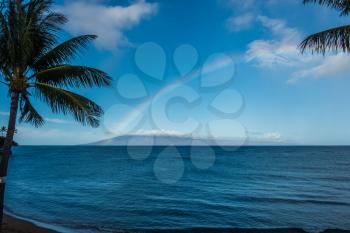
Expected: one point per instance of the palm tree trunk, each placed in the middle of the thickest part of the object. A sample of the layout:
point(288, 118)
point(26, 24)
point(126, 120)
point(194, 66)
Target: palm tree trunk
point(6, 150)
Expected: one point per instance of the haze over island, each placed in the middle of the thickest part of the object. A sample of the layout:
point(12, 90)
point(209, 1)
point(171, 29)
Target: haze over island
point(181, 140)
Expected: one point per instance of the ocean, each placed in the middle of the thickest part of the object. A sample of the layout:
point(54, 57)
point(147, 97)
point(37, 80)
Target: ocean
point(109, 189)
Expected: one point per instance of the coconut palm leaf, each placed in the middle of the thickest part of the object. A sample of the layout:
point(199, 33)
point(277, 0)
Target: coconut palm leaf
point(332, 39)
point(62, 101)
point(43, 35)
point(29, 113)
point(63, 52)
point(342, 5)
point(32, 63)
point(45, 28)
point(39, 6)
point(73, 76)
point(3, 46)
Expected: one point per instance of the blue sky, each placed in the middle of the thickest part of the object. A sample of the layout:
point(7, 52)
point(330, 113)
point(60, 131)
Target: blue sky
point(244, 52)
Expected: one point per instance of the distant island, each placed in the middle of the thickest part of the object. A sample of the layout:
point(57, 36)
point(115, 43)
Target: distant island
point(176, 140)
point(162, 140)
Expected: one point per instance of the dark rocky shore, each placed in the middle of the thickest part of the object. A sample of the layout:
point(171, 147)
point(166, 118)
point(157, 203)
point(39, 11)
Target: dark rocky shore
point(237, 230)
point(14, 225)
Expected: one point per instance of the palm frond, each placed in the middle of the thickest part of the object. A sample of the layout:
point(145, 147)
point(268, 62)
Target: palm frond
point(341, 5)
point(30, 30)
point(3, 41)
point(29, 114)
point(45, 28)
point(28, 38)
point(64, 52)
point(53, 21)
point(2, 5)
point(43, 34)
point(333, 39)
point(39, 7)
point(62, 101)
point(73, 76)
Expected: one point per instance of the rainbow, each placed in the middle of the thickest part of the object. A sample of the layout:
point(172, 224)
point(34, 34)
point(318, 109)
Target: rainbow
point(180, 80)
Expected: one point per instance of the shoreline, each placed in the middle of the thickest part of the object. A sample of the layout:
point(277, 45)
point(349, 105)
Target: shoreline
point(16, 225)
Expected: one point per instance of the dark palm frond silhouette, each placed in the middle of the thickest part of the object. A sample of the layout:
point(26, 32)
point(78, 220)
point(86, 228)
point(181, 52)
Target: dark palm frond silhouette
point(333, 39)
point(33, 65)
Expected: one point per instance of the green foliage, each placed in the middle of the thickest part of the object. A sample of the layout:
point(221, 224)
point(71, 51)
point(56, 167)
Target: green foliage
point(69, 49)
point(2, 140)
point(330, 40)
point(341, 5)
point(32, 65)
point(72, 76)
point(334, 39)
point(29, 114)
point(63, 101)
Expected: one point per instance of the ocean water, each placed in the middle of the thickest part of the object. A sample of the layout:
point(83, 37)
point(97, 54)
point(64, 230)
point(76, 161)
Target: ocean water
point(106, 189)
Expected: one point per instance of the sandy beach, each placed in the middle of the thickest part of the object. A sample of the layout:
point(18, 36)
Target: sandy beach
point(14, 225)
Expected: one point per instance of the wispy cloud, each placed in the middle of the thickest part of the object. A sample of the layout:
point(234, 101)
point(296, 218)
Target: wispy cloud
point(58, 121)
point(281, 50)
point(159, 132)
point(240, 22)
point(109, 22)
point(239, 4)
point(266, 136)
point(242, 14)
point(331, 65)
point(275, 136)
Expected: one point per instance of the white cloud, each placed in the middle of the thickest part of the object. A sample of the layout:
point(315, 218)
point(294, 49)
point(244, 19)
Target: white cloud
point(241, 22)
point(242, 17)
point(4, 113)
point(282, 51)
point(107, 21)
point(57, 121)
point(331, 65)
point(279, 28)
point(267, 138)
point(274, 136)
point(158, 132)
point(240, 4)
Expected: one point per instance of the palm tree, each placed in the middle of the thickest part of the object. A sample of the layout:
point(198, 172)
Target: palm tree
point(333, 39)
point(32, 65)
point(3, 130)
